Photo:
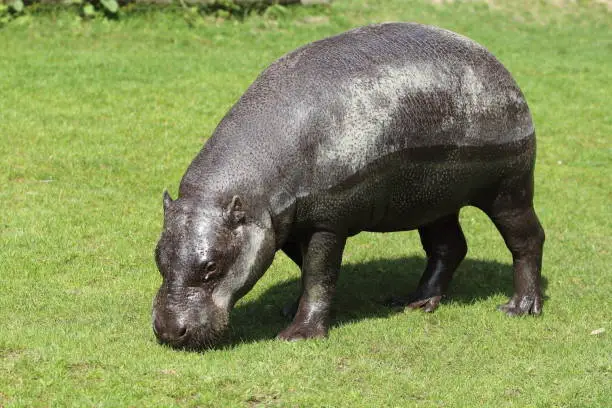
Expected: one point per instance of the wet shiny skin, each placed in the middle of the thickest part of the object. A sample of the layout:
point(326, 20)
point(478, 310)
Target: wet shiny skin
point(384, 128)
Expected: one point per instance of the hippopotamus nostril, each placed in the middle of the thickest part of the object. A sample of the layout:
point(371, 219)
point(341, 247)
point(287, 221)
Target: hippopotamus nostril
point(169, 331)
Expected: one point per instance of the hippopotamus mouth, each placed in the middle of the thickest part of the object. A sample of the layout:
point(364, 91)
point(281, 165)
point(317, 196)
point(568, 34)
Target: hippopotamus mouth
point(189, 328)
point(195, 339)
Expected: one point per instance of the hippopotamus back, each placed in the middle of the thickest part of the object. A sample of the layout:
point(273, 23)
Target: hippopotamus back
point(326, 112)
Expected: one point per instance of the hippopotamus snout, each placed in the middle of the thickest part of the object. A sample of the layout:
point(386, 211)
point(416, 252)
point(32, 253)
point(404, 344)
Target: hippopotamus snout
point(184, 319)
point(169, 331)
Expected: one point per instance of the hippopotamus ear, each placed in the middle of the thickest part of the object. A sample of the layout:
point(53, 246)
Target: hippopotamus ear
point(167, 200)
point(235, 212)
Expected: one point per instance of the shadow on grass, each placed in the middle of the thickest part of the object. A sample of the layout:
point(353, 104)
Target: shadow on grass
point(363, 289)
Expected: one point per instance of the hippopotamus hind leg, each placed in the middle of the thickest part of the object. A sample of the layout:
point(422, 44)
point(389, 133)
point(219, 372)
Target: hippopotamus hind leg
point(513, 214)
point(524, 237)
point(445, 246)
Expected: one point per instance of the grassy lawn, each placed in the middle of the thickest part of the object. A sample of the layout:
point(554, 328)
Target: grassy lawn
point(98, 118)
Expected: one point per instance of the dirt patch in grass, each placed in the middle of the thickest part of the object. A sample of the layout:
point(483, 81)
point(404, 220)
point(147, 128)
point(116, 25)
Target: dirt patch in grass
point(261, 400)
point(11, 354)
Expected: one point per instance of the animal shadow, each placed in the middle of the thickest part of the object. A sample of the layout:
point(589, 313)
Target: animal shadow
point(363, 290)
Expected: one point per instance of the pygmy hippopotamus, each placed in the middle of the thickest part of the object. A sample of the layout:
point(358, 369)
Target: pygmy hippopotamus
point(388, 127)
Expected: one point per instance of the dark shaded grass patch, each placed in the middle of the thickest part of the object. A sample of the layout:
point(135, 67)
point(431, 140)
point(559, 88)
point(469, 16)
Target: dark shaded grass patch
point(363, 291)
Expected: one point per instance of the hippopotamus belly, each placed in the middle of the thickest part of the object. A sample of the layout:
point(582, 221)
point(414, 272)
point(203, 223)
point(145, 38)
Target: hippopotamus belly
point(408, 189)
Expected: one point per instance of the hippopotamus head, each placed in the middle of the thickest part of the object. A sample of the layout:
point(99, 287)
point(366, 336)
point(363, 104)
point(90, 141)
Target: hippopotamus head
point(209, 255)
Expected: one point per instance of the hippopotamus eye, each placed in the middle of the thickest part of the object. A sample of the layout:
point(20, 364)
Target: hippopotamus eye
point(210, 269)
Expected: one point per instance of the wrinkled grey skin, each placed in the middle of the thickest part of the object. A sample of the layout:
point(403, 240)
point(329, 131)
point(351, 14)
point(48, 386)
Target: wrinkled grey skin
point(388, 127)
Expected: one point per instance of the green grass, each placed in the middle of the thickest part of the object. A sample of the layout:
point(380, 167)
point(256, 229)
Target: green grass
point(98, 118)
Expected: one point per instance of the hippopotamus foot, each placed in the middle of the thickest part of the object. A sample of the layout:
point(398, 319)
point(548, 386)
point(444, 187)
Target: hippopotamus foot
point(320, 267)
point(522, 305)
point(426, 304)
point(310, 321)
point(514, 216)
point(303, 331)
point(426, 300)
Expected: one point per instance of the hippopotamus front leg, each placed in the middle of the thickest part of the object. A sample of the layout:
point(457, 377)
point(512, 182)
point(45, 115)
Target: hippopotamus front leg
point(320, 267)
point(445, 246)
